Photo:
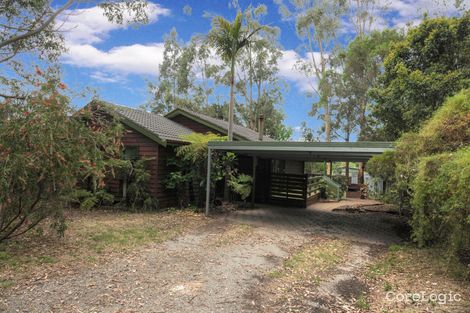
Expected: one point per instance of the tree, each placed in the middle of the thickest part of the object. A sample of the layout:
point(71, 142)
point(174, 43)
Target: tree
point(258, 79)
point(45, 149)
point(191, 164)
point(429, 174)
point(363, 13)
point(29, 27)
point(183, 76)
point(229, 39)
point(432, 63)
point(361, 64)
point(307, 133)
point(317, 24)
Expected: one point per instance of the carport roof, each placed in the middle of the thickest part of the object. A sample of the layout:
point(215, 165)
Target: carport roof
point(305, 151)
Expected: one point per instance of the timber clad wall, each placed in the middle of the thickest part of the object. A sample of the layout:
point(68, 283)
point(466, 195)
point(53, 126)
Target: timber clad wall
point(167, 197)
point(195, 126)
point(157, 167)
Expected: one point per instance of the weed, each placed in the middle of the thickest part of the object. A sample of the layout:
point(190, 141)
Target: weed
point(361, 303)
point(6, 283)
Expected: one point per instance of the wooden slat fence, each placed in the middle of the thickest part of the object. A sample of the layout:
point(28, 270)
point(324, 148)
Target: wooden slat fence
point(293, 189)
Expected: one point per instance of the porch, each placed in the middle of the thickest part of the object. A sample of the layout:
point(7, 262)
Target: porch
point(289, 189)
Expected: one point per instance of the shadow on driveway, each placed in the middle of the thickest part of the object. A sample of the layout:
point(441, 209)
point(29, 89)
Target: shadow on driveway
point(369, 227)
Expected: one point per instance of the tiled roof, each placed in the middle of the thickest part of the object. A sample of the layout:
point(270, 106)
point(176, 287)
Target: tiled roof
point(238, 130)
point(159, 125)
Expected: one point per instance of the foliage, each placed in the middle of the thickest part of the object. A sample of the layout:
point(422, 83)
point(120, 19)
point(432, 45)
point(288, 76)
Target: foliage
point(177, 85)
point(431, 64)
point(258, 77)
point(383, 166)
point(87, 199)
point(242, 185)
point(317, 24)
point(429, 174)
point(30, 27)
point(138, 196)
point(360, 63)
point(448, 129)
point(43, 153)
point(191, 167)
point(440, 200)
point(228, 39)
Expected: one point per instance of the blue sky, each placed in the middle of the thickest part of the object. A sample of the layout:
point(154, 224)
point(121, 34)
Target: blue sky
point(118, 61)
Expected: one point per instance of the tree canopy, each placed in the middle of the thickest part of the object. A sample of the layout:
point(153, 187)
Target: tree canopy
point(430, 64)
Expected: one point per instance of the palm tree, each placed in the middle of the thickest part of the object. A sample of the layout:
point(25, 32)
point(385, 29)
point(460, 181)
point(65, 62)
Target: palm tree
point(228, 39)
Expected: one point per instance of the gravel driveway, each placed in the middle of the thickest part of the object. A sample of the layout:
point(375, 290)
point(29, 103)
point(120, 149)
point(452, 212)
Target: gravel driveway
point(211, 269)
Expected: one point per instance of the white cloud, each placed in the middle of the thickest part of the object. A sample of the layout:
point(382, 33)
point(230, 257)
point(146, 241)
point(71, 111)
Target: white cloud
point(89, 26)
point(83, 28)
point(105, 77)
point(133, 59)
point(402, 13)
point(288, 69)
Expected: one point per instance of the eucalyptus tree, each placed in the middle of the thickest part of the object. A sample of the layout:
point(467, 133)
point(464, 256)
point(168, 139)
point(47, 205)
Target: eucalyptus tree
point(29, 27)
point(184, 76)
point(317, 24)
point(228, 39)
point(362, 63)
point(363, 14)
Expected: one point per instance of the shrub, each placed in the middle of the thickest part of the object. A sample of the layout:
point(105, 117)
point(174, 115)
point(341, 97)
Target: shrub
point(448, 129)
point(45, 150)
point(191, 166)
point(241, 185)
point(441, 202)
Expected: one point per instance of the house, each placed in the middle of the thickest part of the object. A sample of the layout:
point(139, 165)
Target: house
point(153, 136)
point(278, 168)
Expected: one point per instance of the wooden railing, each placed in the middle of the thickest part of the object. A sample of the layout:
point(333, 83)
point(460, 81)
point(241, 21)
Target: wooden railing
point(293, 189)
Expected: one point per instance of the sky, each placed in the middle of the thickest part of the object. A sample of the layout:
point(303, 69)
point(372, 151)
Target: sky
point(119, 61)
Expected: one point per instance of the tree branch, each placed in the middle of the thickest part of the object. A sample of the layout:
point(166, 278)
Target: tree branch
point(12, 97)
point(39, 29)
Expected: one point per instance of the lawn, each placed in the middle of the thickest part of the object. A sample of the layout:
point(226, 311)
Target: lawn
point(90, 238)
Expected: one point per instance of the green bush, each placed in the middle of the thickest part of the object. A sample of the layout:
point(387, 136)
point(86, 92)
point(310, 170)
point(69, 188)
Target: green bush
point(242, 185)
point(448, 129)
point(430, 175)
point(441, 202)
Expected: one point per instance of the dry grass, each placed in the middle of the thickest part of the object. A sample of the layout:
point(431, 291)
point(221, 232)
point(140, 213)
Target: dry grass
point(311, 261)
point(232, 234)
point(300, 274)
point(91, 238)
point(408, 270)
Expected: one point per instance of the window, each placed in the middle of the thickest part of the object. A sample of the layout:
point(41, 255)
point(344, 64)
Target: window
point(130, 153)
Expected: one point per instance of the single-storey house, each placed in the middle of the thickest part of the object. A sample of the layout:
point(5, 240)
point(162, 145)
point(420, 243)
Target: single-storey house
point(150, 135)
point(278, 168)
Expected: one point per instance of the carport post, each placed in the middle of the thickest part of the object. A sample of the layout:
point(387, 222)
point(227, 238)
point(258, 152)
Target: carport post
point(208, 180)
point(253, 187)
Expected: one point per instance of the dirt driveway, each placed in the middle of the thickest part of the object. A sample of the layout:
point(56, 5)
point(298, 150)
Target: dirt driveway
point(215, 268)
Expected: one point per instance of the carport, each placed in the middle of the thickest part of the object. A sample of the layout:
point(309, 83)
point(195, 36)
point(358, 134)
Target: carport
point(294, 151)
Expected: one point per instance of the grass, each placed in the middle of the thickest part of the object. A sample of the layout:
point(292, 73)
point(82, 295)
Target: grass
point(318, 258)
point(121, 239)
point(234, 233)
point(408, 269)
point(6, 283)
point(311, 261)
point(383, 266)
point(91, 237)
point(361, 303)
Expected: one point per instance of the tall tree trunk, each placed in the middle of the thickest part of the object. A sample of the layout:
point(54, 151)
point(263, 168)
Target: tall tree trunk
point(232, 101)
point(346, 171)
point(230, 125)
